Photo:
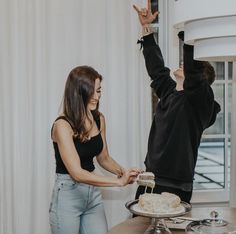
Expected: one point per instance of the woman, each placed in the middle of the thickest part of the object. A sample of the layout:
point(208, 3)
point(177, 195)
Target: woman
point(78, 135)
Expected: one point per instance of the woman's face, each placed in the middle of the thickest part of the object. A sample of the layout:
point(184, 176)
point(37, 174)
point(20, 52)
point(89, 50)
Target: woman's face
point(96, 95)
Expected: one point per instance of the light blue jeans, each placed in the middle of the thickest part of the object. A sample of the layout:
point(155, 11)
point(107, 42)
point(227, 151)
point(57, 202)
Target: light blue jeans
point(76, 208)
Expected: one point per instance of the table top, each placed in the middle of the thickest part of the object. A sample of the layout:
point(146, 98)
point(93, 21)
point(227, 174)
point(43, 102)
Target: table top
point(139, 224)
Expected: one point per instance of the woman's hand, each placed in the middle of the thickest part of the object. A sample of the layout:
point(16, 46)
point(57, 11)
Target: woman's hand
point(129, 176)
point(145, 14)
point(137, 171)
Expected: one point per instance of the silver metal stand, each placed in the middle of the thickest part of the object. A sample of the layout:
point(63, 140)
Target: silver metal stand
point(158, 226)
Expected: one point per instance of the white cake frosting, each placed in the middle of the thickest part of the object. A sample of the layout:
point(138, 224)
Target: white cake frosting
point(146, 176)
point(160, 203)
point(146, 179)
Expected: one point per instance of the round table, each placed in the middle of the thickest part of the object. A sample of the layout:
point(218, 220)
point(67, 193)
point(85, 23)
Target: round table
point(139, 224)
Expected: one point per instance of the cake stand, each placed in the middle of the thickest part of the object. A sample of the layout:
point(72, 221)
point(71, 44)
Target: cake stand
point(158, 225)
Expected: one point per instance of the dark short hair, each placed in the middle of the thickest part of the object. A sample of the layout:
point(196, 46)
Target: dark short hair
point(209, 72)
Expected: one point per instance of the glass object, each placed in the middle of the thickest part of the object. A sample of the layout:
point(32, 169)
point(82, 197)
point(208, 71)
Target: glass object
point(158, 226)
point(210, 226)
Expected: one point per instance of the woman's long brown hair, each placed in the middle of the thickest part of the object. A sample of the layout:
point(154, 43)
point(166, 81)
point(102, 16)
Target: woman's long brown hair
point(79, 89)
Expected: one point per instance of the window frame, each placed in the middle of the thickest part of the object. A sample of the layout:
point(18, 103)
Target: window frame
point(219, 195)
point(169, 45)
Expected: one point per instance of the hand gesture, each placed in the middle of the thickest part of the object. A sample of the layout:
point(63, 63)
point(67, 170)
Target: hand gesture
point(145, 14)
point(129, 176)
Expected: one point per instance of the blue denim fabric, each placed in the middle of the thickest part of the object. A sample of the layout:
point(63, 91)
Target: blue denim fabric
point(76, 208)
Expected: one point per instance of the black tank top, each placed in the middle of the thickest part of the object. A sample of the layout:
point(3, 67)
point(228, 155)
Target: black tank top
point(86, 150)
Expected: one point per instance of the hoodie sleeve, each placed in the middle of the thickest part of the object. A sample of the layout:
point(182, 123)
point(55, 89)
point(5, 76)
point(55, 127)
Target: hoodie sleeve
point(193, 69)
point(197, 89)
point(162, 83)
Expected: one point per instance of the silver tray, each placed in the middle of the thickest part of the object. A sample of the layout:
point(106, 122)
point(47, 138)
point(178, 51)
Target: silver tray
point(131, 207)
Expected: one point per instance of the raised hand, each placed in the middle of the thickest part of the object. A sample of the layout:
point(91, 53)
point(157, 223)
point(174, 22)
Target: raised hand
point(145, 14)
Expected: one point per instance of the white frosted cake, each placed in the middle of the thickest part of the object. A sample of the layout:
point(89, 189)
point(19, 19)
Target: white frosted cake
point(146, 179)
point(146, 176)
point(165, 203)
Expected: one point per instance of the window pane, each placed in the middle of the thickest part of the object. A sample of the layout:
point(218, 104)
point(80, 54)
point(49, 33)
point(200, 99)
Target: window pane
point(229, 156)
point(218, 126)
point(230, 68)
point(154, 6)
point(229, 107)
point(219, 69)
point(209, 171)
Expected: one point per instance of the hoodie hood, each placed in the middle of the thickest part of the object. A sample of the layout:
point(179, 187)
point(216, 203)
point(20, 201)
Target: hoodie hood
point(216, 110)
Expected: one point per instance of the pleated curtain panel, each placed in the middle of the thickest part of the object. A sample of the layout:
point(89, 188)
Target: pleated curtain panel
point(40, 42)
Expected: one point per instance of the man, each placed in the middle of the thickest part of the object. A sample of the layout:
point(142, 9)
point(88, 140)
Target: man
point(185, 109)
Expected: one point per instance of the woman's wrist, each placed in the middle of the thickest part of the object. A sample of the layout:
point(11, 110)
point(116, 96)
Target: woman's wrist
point(119, 171)
point(120, 182)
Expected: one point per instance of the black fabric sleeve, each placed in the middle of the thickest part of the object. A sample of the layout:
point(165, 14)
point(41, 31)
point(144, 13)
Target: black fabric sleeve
point(162, 83)
point(197, 89)
point(193, 69)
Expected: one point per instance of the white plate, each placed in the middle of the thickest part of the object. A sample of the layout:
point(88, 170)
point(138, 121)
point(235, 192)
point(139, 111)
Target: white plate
point(181, 209)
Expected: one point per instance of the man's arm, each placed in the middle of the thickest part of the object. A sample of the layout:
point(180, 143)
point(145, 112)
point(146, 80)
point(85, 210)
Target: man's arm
point(160, 75)
point(199, 91)
point(162, 83)
point(193, 69)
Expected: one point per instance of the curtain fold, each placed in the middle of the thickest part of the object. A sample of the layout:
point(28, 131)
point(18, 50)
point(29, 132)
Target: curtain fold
point(41, 41)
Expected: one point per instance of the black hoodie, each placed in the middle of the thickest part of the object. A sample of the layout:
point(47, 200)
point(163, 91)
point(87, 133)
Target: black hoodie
point(180, 117)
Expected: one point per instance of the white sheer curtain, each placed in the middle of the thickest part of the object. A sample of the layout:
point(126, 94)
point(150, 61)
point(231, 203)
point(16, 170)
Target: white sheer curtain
point(40, 42)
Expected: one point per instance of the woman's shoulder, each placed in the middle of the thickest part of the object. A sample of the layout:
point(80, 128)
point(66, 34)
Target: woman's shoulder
point(61, 122)
point(61, 126)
